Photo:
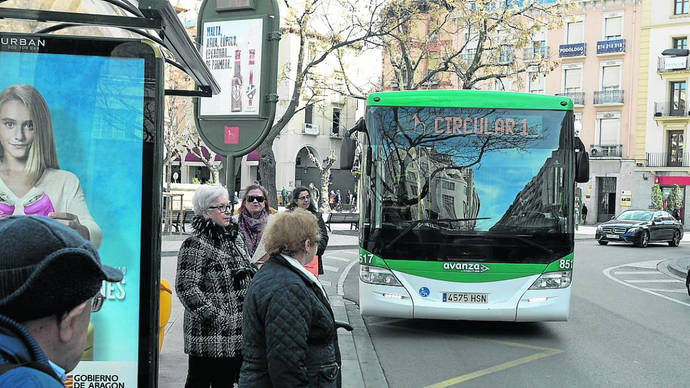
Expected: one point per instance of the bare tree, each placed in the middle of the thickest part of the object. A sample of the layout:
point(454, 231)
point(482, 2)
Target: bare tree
point(324, 173)
point(469, 41)
point(330, 25)
point(178, 129)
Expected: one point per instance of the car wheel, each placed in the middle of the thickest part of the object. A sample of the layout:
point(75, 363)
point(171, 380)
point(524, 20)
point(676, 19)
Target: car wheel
point(602, 242)
point(676, 239)
point(643, 241)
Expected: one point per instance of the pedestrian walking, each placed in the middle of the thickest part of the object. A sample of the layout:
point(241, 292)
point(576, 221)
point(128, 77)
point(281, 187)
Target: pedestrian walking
point(584, 214)
point(284, 194)
point(213, 273)
point(301, 199)
point(48, 290)
point(315, 195)
point(290, 337)
point(252, 215)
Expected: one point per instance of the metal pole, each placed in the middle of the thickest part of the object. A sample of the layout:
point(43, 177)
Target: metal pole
point(229, 163)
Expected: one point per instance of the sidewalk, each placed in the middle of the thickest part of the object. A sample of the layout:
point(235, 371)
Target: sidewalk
point(360, 365)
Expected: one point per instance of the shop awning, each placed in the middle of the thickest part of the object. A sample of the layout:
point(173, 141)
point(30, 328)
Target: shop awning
point(672, 180)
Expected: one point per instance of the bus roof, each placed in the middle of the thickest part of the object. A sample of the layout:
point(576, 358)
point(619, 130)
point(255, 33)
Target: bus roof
point(469, 99)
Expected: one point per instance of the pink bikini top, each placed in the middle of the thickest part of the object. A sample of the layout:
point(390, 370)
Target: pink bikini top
point(39, 205)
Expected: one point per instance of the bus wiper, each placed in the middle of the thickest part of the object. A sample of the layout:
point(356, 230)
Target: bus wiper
point(434, 221)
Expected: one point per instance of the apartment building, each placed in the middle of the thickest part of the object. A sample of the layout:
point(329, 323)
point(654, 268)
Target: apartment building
point(663, 114)
point(598, 53)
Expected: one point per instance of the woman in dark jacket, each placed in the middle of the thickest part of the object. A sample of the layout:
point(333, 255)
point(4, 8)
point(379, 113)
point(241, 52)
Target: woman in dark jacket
point(301, 198)
point(289, 331)
point(213, 273)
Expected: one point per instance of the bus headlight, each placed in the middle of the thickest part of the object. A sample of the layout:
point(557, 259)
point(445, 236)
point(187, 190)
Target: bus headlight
point(376, 275)
point(552, 280)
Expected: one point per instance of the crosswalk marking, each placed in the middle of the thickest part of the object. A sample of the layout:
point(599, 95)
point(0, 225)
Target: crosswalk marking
point(338, 258)
point(620, 274)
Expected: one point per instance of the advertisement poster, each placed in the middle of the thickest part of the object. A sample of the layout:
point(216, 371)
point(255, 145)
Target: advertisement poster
point(95, 107)
point(232, 51)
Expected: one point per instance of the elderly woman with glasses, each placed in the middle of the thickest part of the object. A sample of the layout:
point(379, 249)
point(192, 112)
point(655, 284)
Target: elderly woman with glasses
point(301, 198)
point(290, 335)
point(213, 274)
point(252, 216)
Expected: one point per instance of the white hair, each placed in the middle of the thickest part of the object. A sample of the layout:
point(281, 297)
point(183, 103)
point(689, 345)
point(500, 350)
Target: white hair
point(205, 195)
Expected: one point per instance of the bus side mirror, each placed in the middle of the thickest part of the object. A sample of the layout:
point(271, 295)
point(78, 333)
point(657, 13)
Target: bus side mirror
point(368, 166)
point(581, 162)
point(347, 153)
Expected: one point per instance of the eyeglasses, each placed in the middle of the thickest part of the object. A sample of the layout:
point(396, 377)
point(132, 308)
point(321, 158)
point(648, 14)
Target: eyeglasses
point(258, 198)
point(304, 197)
point(97, 302)
point(222, 208)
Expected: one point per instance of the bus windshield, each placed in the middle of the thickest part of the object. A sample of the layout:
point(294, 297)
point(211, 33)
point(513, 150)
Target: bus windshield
point(468, 184)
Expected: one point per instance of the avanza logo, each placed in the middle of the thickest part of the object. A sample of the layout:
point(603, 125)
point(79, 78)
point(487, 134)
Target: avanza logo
point(465, 267)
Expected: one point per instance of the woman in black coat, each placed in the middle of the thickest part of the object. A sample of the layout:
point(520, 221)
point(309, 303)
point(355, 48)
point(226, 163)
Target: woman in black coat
point(301, 198)
point(288, 326)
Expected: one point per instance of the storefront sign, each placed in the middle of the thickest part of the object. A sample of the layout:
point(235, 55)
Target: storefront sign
point(572, 50)
point(675, 63)
point(626, 198)
point(611, 46)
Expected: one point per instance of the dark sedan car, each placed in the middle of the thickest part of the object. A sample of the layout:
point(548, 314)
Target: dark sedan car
point(641, 227)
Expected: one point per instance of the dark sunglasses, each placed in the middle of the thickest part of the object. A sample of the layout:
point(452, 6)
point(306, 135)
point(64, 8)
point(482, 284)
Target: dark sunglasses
point(97, 302)
point(258, 198)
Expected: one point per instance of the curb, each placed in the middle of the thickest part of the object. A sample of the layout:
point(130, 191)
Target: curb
point(677, 270)
point(369, 365)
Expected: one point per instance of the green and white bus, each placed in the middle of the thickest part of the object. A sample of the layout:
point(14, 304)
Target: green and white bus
point(467, 205)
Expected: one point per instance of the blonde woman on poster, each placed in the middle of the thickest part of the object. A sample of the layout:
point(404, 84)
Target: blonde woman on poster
point(31, 181)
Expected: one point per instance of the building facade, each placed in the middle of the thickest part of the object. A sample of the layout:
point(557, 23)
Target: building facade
point(598, 50)
point(663, 113)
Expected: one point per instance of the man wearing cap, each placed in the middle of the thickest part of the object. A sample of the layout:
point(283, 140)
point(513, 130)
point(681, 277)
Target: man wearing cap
point(50, 281)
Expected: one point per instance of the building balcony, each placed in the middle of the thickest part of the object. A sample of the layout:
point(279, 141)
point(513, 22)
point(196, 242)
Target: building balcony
point(608, 97)
point(536, 54)
point(310, 129)
point(663, 159)
point(612, 46)
point(606, 150)
point(577, 97)
point(667, 64)
point(572, 50)
point(665, 111)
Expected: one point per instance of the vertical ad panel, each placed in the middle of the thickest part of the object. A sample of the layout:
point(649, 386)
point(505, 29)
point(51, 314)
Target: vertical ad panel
point(94, 176)
point(232, 50)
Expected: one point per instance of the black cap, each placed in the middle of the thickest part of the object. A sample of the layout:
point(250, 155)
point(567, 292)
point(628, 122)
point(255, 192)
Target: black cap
point(46, 268)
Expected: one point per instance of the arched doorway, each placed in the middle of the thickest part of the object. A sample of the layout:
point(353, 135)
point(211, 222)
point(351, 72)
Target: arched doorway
point(306, 171)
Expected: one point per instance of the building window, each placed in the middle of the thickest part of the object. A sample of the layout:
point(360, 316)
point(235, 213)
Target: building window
point(309, 114)
point(448, 185)
point(677, 99)
point(573, 79)
point(335, 130)
point(535, 82)
point(680, 43)
point(505, 54)
point(613, 27)
point(608, 131)
point(681, 7)
point(574, 32)
point(448, 205)
point(539, 48)
point(675, 148)
point(610, 77)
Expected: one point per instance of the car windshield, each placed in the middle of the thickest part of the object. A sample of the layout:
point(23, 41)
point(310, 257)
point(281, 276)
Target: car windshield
point(635, 216)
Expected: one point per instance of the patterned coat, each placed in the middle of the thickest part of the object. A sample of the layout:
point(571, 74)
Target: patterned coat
point(213, 274)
